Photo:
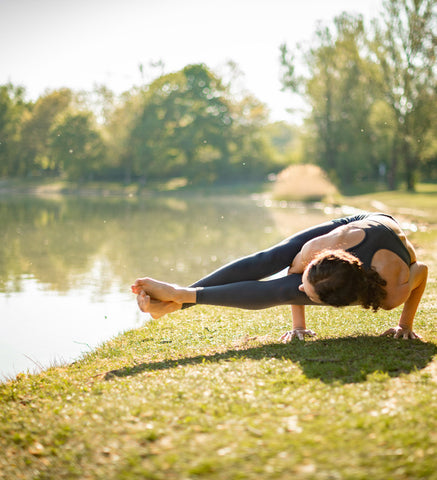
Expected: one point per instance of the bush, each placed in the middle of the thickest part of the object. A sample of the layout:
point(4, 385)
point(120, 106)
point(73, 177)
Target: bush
point(308, 183)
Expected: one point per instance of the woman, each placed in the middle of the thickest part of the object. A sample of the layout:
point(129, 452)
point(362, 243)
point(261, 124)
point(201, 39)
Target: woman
point(362, 260)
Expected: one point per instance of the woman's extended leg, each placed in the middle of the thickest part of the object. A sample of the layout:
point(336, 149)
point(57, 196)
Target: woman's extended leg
point(251, 295)
point(238, 284)
point(255, 294)
point(267, 262)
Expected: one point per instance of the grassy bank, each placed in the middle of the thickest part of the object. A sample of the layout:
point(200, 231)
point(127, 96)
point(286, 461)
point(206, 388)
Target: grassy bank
point(210, 393)
point(420, 206)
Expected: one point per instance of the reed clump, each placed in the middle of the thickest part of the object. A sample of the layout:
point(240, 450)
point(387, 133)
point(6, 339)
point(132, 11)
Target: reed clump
point(307, 183)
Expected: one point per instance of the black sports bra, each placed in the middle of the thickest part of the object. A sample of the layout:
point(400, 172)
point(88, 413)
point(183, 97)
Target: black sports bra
point(378, 236)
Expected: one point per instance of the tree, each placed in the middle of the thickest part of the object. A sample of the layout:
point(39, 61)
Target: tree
point(382, 123)
point(404, 45)
point(252, 154)
point(36, 129)
point(338, 88)
point(13, 109)
point(183, 126)
point(117, 134)
point(428, 153)
point(76, 147)
point(349, 80)
point(100, 101)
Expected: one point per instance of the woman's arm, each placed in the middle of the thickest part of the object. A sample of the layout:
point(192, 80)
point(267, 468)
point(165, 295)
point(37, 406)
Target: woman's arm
point(298, 316)
point(297, 311)
point(418, 278)
point(417, 284)
point(299, 328)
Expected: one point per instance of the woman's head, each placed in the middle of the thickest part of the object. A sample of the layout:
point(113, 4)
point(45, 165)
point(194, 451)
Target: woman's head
point(338, 278)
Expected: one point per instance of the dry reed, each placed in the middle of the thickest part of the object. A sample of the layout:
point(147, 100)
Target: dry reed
point(308, 183)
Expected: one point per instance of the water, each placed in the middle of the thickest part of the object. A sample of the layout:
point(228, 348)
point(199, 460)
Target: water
point(66, 264)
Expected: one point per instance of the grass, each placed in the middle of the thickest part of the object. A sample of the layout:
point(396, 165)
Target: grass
point(209, 393)
point(420, 206)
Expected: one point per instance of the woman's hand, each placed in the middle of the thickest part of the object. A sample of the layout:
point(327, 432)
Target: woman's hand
point(299, 333)
point(400, 332)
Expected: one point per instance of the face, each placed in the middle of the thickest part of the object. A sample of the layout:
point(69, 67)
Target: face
point(308, 288)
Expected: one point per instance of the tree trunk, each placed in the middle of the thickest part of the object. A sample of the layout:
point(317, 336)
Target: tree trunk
point(392, 173)
point(127, 162)
point(409, 166)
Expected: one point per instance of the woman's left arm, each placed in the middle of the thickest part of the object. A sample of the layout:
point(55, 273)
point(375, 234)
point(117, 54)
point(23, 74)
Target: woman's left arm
point(417, 284)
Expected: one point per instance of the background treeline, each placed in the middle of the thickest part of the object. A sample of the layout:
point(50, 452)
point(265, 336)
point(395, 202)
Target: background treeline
point(183, 124)
point(371, 89)
point(373, 94)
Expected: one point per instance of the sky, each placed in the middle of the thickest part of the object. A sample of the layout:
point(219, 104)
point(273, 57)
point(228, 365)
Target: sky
point(48, 44)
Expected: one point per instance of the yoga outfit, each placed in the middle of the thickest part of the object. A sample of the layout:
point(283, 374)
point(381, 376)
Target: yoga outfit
point(378, 236)
point(240, 283)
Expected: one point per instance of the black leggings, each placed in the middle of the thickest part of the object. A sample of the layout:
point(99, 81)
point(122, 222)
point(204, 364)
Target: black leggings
point(238, 284)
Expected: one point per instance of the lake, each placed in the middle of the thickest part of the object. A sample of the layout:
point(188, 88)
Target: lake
point(67, 263)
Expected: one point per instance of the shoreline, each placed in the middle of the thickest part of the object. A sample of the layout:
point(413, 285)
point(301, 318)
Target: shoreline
point(47, 188)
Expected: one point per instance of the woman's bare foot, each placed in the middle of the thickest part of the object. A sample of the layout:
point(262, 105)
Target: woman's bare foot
point(165, 292)
point(156, 308)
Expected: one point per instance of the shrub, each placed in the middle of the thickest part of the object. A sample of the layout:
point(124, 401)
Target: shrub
point(308, 183)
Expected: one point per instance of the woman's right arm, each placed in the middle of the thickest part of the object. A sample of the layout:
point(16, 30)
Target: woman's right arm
point(416, 287)
point(418, 278)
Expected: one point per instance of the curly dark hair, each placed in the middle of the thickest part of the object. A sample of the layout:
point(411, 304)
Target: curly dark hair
point(339, 279)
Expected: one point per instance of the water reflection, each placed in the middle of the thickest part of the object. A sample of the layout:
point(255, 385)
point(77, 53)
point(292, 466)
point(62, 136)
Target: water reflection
point(66, 264)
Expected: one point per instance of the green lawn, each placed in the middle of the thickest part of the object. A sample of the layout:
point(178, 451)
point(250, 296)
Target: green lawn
point(210, 393)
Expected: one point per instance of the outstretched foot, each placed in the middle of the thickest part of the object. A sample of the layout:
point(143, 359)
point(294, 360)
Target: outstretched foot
point(165, 292)
point(156, 289)
point(155, 308)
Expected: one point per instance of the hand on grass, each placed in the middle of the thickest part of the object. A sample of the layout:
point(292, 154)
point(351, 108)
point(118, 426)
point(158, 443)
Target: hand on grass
point(299, 333)
point(400, 332)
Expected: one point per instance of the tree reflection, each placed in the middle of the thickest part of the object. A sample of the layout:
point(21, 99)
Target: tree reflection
point(70, 242)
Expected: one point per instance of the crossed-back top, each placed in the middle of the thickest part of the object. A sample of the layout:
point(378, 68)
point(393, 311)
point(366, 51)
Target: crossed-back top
point(378, 236)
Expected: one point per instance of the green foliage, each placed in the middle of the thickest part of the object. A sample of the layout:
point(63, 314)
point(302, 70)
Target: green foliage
point(76, 148)
point(117, 135)
point(34, 144)
point(13, 110)
point(253, 154)
point(405, 48)
point(184, 124)
point(372, 94)
point(340, 92)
